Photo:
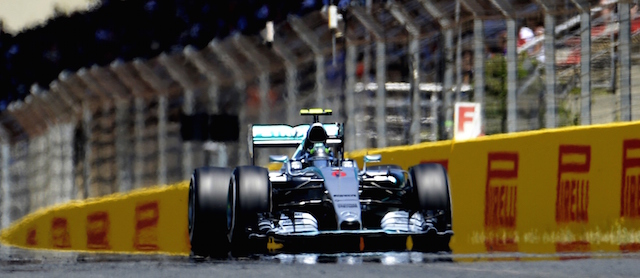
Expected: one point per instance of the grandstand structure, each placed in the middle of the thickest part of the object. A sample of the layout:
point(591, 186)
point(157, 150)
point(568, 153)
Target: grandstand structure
point(392, 71)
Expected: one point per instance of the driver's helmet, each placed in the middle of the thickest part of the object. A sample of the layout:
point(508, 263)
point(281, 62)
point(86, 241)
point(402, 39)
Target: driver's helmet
point(320, 155)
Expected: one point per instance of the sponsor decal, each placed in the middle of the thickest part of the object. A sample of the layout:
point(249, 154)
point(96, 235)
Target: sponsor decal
point(344, 195)
point(60, 233)
point(630, 197)
point(31, 237)
point(572, 198)
point(409, 243)
point(273, 246)
point(98, 231)
point(339, 174)
point(347, 205)
point(500, 201)
point(630, 187)
point(146, 226)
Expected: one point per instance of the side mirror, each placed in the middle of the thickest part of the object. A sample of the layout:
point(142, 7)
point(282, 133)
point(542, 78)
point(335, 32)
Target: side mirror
point(372, 158)
point(278, 158)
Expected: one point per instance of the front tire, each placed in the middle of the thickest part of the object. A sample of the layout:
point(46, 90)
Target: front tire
point(430, 184)
point(249, 195)
point(207, 212)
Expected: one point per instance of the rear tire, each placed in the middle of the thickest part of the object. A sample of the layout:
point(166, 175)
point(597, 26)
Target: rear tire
point(249, 195)
point(207, 212)
point(431, 190)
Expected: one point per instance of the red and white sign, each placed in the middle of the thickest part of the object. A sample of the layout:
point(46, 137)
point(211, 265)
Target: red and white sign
point(467, 120)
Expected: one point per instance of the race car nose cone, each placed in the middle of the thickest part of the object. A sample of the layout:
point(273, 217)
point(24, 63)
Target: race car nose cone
point(350, 225)
point(350, 221)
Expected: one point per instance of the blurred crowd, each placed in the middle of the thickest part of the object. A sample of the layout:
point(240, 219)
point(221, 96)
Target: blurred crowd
point(126, 30)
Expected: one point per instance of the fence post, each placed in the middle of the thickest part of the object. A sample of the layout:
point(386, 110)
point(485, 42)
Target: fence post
point(402, 16)
point(160, 88)
point(241, 85)
point(350, 102)
point(290, 62)
point(458, 63)
point(478, 63)
point(508, 12)
point(585, 64)
point(261, 64)
point(447, 86)
point(550, 69)
point(121, 96)
point(125, 74)
point(68, 105)
point(313, 42)
point(104, 162)
point(212, 73)
point(381, 72)
point(512, 76)
point(625, 61)
point(87, 118)
point(177, 72)
point(123, 139)
point(5, 181)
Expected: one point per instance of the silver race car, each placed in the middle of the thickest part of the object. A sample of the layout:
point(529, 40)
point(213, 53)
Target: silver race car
point(319, 201)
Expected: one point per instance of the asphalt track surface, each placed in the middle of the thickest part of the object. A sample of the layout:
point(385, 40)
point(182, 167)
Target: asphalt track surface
point(27, 263)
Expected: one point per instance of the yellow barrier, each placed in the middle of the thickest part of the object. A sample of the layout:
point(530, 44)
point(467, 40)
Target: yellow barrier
point(146, 220)
point(561, 190)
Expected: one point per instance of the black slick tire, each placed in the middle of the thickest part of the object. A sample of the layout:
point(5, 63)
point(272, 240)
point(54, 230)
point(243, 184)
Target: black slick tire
point(207, 212)
point(249, 194)
point(431, 190)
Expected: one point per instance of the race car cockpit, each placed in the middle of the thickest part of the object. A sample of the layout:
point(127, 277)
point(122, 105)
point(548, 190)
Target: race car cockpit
point(316, 152)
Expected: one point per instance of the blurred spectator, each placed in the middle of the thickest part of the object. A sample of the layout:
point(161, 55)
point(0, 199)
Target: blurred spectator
point(525, 35)
point(538, 49)
point(608, 9)
point(467, 67)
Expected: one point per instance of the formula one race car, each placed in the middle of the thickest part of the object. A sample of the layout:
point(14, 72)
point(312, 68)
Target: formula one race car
point(318, 201)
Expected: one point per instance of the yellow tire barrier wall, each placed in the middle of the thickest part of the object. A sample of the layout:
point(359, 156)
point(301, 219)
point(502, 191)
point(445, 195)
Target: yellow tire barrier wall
point(562, 190)
point(146, 220)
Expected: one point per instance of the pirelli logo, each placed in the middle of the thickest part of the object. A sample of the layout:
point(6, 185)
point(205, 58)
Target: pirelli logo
point(500, 201)
point(60, 233)
point(630, 188)
point(630, 195)
point(31, 237)
point(572, 201)
point(572, 192)
point(98, 231)
point(146, 227)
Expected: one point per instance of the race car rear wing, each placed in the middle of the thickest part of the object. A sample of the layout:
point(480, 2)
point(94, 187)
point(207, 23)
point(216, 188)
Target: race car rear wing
point(286, 136)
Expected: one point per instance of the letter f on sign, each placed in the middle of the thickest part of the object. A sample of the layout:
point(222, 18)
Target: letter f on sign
point(466, 116)
point(467, 120)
